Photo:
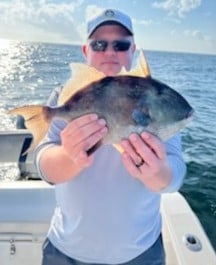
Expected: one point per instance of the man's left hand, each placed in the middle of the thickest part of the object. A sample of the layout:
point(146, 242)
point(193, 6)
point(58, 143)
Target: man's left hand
point(145, 158)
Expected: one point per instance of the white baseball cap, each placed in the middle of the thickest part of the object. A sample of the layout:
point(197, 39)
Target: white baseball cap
point(109, 16)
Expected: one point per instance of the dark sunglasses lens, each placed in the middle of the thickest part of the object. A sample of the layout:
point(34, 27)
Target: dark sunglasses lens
point(121, 45)
point(99, 45)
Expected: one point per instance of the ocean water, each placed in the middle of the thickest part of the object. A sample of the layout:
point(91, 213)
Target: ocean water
point(29, 71)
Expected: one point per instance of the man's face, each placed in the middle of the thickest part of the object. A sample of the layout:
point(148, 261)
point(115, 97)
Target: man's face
point(109, 61)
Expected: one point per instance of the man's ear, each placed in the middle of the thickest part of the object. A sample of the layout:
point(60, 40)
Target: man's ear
point(84, 50)
point(134, 47)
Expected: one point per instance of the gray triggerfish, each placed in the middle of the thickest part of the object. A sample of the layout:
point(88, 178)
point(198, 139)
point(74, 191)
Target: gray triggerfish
point(131, 101)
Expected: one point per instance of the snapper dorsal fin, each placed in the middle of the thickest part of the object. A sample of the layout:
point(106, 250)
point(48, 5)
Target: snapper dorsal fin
point(141, 69)
point(82, 75)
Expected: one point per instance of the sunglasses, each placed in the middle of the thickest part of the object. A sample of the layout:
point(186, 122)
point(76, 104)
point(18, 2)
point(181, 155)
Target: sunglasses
point(117, 45)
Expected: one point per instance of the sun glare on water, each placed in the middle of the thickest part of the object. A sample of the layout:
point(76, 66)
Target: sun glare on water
point(4, 44)
point(8, 79)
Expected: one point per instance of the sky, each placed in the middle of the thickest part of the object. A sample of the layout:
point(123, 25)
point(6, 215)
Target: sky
point(164, 25)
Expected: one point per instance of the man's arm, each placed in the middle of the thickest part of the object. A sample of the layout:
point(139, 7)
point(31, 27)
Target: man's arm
point(60, 162)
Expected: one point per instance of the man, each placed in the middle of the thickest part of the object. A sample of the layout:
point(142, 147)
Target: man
point(107, 203)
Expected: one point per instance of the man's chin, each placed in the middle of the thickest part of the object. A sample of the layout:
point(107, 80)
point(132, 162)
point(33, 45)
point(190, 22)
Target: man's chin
point(111, 71)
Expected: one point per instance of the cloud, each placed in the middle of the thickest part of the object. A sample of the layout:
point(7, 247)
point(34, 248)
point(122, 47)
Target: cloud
point(42, 15)
point(92, 10)
point(142, 22)
point(191, 34)
point(177, 7)
point(197, 35)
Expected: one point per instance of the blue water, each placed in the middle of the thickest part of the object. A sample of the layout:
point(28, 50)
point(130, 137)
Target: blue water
point(29, 71)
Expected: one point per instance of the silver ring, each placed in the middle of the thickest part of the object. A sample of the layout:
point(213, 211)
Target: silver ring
point(140, 163)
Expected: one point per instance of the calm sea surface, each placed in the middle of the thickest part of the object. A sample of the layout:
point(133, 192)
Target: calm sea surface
point(29, 71)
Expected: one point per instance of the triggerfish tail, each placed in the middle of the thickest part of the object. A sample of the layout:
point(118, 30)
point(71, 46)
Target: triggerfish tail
point(37, 120)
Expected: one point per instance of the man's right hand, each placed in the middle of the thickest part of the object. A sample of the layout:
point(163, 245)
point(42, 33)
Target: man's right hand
point(80, 135)
point(60, 163)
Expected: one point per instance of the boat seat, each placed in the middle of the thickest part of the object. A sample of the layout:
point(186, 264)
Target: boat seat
point(13, 146)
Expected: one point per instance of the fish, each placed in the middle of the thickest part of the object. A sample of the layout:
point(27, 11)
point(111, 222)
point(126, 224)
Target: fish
point(130, 102)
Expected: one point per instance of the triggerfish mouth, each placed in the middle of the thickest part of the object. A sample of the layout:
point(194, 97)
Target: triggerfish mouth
point(130, 102)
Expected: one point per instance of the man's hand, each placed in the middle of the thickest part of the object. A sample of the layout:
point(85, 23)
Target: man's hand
point(145, 158)
point(81, 135)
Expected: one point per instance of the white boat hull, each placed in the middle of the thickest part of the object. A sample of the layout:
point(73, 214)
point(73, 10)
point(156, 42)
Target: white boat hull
point(26, 208)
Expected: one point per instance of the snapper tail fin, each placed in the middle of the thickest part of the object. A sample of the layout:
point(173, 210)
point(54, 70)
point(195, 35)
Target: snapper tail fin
point(37, 120)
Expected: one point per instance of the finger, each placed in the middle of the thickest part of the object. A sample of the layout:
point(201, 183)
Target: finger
point(79, 134)
point(155, 144)
point(142, 149)
point(89, 129)
point(130, 165)
point(83, 120)
point(74, 125)
point(87, 143)
point(93, 139)
point(126, 145)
